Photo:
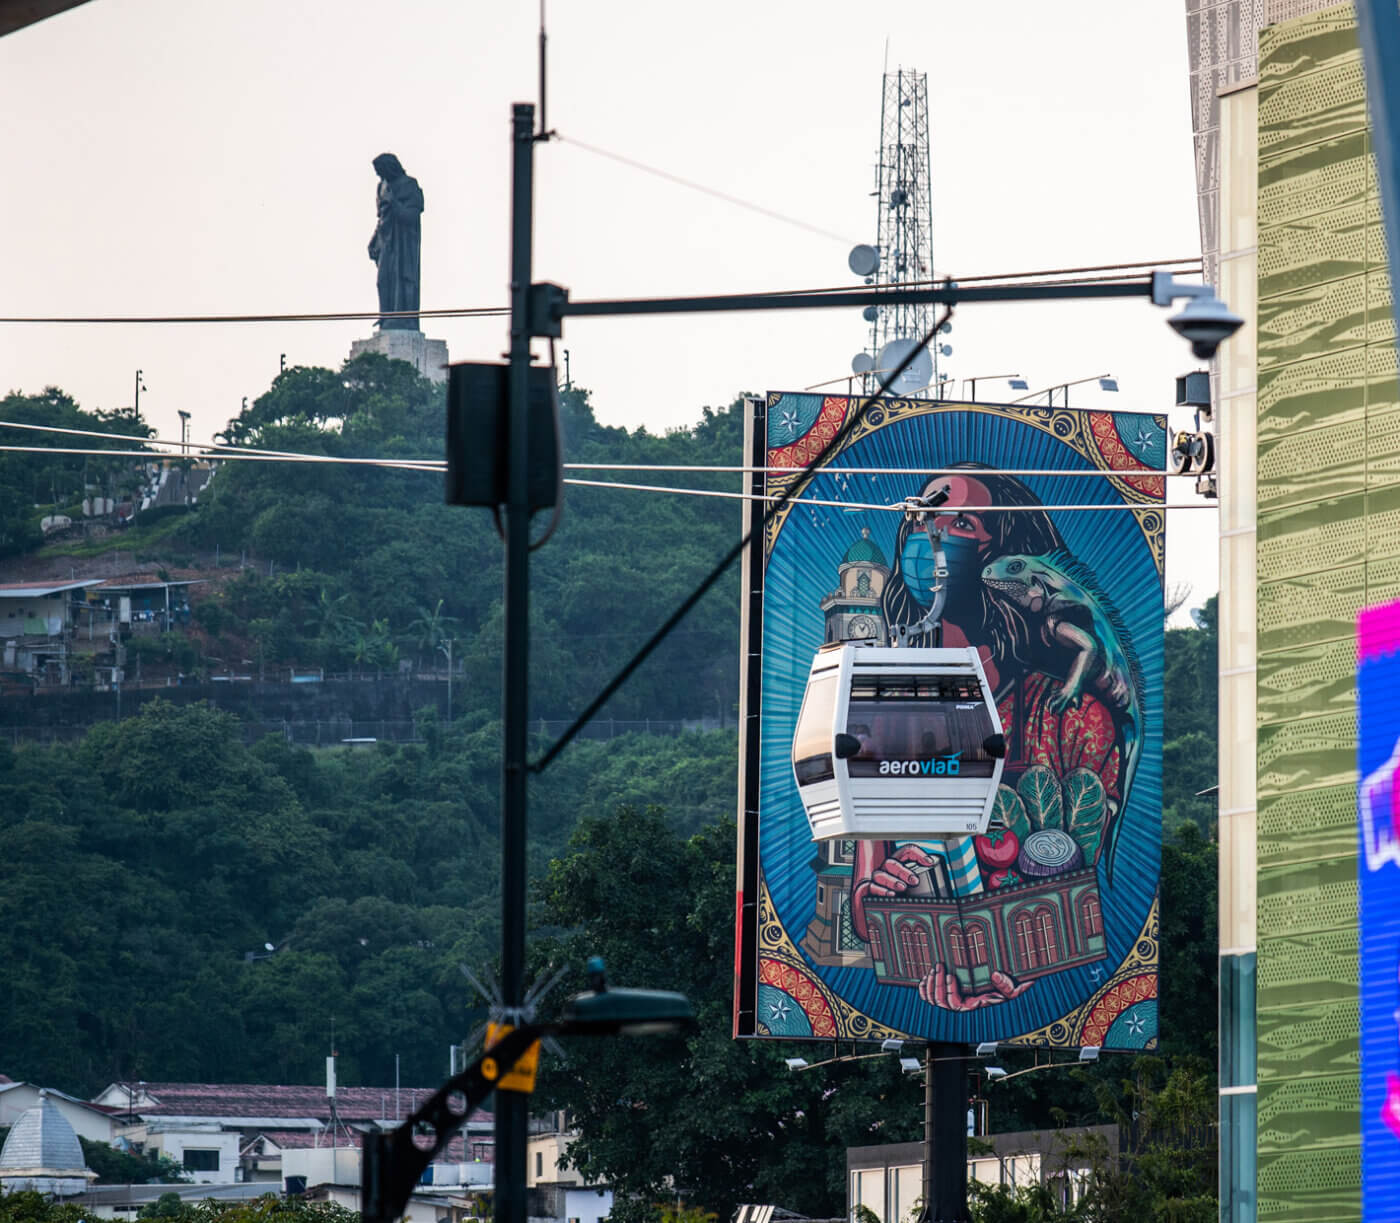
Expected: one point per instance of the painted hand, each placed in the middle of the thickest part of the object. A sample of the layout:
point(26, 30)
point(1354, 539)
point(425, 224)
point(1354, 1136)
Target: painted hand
point(941, 988)
point(893, 876)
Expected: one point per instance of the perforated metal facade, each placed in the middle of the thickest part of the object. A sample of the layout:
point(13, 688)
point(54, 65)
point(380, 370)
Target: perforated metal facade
point(1328, 544)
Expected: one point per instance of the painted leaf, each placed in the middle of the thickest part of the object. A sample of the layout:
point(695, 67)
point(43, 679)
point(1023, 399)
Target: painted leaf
point(1041, 793)
point(1086, 805)
point(1010, 812)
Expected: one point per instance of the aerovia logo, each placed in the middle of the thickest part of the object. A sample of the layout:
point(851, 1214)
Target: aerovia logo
point(939, 766)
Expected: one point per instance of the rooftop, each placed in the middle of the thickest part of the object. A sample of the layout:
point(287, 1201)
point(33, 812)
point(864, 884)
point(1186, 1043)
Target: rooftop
point(37, 590)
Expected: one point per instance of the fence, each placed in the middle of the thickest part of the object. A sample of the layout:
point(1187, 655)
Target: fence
point(336, 732)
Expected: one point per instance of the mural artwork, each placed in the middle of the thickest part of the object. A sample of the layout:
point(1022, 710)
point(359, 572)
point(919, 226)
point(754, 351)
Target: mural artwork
point(1044, 930)
point(1378, 863)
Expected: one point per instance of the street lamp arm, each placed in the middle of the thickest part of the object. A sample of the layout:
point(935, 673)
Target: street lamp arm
point(393, 1163)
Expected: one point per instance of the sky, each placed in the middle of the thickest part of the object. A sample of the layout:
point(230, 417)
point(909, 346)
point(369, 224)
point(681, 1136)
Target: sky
point(195, 156)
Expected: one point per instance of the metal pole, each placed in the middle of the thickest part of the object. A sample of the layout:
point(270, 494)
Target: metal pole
point(945, 1134)
point(511, 1112)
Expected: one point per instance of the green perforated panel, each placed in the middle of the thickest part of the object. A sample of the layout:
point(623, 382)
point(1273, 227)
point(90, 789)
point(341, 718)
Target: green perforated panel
point(1310, 1038)
point(1306, 680)
point(1305, 825)
point(1311, 537)
point(1310, 607)
point(1314, 249)
point(1332, 99)
point(1317, 178)
point(1308, 967)
point(1311, 1186)
point(1313, 321)
point(1328, 539)
point(1302, 898)
point(1308, 394)
point(1304, 466)
point(1312, 1110)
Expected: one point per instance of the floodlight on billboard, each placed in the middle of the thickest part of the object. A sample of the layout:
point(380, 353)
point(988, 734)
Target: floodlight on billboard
point(1043, 929)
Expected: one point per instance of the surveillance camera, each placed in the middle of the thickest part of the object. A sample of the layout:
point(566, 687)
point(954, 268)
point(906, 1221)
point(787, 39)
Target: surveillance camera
point(1205, 322)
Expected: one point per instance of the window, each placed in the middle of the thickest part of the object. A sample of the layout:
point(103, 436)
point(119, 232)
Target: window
point(539, 1164)
point(1047, 935)
point(914, 949)
point(198, 1159)
point(957, 946)
point(877, 948)
point(1027, 955)
point(976, 944)
point(1090, 916)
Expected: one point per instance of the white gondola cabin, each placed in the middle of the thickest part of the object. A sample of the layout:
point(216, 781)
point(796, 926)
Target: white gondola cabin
point(897, 742)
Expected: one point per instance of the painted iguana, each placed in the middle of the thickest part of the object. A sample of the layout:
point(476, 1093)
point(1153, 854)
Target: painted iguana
point(1061, 603)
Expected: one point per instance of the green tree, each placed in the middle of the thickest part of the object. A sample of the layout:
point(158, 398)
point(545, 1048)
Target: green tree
point(659, 907)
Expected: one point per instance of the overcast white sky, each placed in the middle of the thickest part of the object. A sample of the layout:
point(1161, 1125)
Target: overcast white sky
point(193, 156)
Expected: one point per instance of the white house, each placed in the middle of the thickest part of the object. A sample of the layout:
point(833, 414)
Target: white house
point(90, 1121)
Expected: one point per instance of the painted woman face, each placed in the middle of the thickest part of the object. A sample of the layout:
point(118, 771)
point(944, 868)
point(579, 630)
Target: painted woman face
point(966, 541)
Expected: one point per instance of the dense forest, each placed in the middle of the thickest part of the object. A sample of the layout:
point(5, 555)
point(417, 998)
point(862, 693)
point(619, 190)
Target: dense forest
point(175, 905)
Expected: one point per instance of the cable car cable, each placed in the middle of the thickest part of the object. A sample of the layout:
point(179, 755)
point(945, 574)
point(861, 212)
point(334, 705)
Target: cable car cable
point(832, 447)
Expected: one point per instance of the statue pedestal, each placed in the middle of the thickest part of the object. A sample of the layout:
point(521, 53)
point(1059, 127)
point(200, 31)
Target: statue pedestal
point(428, 357)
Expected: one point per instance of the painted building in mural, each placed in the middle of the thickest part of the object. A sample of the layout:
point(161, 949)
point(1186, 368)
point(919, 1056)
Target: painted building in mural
point(1054, 912)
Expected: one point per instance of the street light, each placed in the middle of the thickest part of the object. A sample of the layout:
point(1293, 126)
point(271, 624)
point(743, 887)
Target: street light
point(394, 1163)
point(136, 397)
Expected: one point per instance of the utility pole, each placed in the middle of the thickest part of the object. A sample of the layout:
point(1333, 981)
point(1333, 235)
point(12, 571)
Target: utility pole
point(511, 1106)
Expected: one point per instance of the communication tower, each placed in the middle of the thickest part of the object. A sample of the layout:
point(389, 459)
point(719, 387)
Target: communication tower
point(904, 230)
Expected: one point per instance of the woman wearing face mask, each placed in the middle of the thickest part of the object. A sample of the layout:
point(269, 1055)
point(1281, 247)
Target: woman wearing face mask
point(972, 539)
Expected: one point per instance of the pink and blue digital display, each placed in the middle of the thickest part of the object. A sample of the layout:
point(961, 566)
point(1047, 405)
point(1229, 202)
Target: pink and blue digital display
point(1378, 864)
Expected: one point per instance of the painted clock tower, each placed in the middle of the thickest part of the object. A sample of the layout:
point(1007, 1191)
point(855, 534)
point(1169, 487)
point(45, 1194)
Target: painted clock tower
point(853, 611)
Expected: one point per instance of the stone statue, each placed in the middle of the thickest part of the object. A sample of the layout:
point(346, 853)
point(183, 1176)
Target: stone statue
point(397, 241)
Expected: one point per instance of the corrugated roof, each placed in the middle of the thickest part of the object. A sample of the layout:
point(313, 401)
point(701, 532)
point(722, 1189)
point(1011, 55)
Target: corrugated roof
point(37, 590)
point(263, 1100)
point(42, 1139)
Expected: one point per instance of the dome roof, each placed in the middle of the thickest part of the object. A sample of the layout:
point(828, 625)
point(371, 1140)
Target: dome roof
point(42, 1139)
point(865, 551)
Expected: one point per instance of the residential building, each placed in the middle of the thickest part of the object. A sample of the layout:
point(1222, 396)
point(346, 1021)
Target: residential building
point(888, 1180)
point(557, 1192)
point(94, 1122)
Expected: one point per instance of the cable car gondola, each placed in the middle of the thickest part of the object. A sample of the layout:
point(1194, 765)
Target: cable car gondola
point(897, 742)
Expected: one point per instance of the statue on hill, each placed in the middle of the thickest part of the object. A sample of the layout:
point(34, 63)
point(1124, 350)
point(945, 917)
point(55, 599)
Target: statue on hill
point(396, 244)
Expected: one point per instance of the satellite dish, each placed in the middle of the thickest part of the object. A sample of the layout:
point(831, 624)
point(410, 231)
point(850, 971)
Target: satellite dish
point(946, 350)
point(863, 260)
point(862, 363)
point(945, 329)
point(870, 313)
point(917, 374)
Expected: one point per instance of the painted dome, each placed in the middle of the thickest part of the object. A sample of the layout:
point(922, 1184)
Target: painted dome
point(865, 551)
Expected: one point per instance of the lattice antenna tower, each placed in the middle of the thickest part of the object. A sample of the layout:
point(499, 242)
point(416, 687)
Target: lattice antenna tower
point(904, 194)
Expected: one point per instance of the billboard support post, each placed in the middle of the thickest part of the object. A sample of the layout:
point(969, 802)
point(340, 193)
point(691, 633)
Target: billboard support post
point(945, 1134)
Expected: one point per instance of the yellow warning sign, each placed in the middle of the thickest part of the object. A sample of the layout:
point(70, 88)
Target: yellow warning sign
point(522, 1075)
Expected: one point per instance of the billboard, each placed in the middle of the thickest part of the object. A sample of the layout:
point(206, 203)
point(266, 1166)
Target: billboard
point(1378, 865)
point(976, 938)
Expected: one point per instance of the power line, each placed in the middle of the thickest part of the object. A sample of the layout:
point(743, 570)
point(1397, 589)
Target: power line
point(713, 192)
point(1027, 279)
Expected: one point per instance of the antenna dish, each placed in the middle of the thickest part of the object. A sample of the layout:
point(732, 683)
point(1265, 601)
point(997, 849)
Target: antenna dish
point(870, 313)
point(863, 260)
point(862, 363)
point(917, 375)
